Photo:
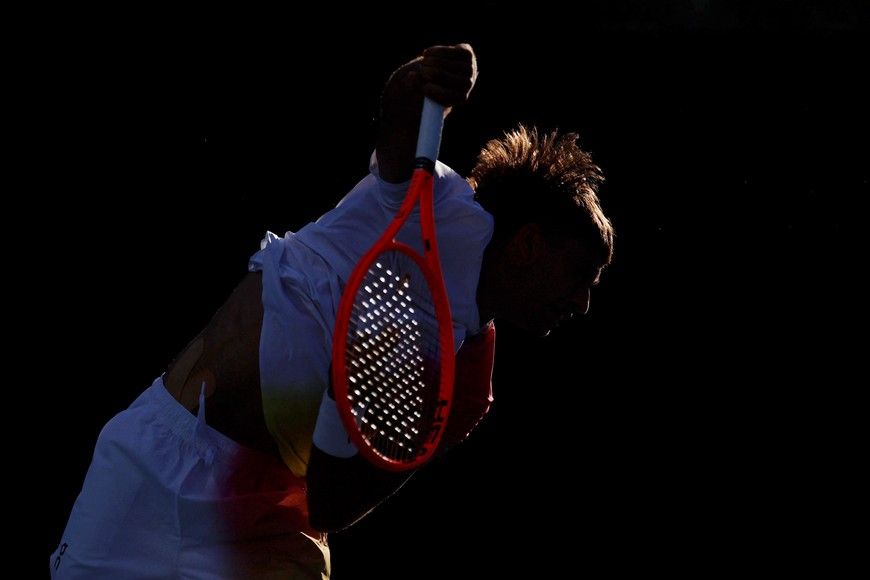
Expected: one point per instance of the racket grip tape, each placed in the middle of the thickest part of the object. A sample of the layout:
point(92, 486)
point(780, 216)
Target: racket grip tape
point(330, 436)
point(431, 125)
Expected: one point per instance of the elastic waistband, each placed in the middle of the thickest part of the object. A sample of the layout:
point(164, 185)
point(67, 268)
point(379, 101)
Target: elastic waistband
point(193, 428)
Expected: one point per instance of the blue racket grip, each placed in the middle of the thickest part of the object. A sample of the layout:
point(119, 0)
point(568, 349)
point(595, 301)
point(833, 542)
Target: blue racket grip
point(431, 124)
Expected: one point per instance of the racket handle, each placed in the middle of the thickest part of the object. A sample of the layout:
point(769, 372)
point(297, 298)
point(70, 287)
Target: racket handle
point(431, 123)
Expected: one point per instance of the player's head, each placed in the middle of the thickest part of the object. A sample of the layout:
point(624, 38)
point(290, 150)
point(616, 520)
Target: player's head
point(552, 238)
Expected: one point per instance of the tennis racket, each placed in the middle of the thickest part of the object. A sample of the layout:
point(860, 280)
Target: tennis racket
point(392, 353)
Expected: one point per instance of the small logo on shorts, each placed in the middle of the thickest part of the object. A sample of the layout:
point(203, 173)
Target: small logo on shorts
point(60, 553)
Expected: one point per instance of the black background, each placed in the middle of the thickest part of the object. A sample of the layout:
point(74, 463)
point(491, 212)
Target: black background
point(701, 419)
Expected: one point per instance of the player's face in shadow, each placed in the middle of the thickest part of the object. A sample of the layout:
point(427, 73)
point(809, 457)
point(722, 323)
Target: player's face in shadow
point(553, 285)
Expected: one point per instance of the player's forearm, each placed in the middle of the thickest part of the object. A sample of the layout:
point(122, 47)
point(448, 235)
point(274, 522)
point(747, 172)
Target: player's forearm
point(445, 74)
point(342, 485)
point(342, 491)
point(398, 122)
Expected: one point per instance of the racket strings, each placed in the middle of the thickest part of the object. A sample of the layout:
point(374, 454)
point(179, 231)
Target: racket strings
point(394, 357)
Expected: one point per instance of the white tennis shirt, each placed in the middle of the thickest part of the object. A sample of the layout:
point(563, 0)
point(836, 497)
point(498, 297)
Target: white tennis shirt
point(304, 273)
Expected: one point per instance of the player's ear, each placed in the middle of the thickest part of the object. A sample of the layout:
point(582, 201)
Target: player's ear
point(528, 242)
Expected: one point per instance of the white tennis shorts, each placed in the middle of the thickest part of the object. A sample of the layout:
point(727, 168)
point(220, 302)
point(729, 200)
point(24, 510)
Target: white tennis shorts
point(167, 496)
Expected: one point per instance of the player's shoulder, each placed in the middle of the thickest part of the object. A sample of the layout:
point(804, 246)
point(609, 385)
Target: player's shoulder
point(451, 186)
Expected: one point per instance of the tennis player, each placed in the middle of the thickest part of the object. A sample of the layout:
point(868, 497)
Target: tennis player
point(234, 463)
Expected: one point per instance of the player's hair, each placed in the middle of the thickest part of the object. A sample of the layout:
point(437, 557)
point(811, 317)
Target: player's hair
point(528, 176)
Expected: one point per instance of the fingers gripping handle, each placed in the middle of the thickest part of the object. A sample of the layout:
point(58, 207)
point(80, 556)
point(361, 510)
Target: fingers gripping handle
point(431, 124)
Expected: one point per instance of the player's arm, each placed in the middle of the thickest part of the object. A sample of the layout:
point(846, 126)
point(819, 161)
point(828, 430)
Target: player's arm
point(445, 74)
point(342, 491)
point(342, 485)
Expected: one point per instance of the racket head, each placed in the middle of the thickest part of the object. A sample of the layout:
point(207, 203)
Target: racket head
point(393, 358)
